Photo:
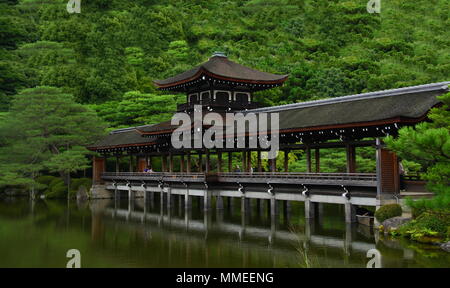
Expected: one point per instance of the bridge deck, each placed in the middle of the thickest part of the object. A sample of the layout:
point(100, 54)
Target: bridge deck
point(325, 179)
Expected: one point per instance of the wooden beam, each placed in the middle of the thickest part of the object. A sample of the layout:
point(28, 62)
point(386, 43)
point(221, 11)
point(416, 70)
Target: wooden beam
point(363, 143)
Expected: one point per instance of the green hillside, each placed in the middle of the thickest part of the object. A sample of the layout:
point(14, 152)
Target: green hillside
point(330, 48)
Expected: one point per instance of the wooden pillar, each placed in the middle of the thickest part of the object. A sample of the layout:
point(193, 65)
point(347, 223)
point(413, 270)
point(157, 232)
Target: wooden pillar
point(208, 162)
point(219, 162)
point(230, 161)
point(98, 167)
point(170, 162)
point(142, 164)
point(117, 164)
point(200, 162)
point(164, 163)
point(286, 161)
point(317, 157)
point(188, 167)
point(244, 154)
point(259, 162)
point(308, 159)
point(273, 165)
point(182, 164)
point(388, 176)
point(150, 162)
point(351, 158)
point(130, 169)
point(249, 161)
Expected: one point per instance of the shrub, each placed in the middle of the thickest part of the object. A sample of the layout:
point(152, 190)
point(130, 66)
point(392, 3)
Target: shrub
point(45, 179)
point(388, 211)
point(58, 190)
point(77, 183)
point(429, 227)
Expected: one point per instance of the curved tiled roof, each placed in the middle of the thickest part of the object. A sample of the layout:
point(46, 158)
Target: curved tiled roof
point(221, 67)
point(410, 102)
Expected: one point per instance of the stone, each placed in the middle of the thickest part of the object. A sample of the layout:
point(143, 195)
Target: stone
point(446, 247)
point(82, 194)
point(394, 223)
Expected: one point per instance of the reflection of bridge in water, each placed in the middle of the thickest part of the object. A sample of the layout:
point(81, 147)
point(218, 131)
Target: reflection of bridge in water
point(272, 234)
point(177, 224)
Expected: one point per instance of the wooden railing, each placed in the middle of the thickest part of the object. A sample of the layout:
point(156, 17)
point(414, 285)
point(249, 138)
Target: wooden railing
point(356, 179)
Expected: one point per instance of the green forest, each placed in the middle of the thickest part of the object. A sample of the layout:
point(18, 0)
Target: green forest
point(93, 71)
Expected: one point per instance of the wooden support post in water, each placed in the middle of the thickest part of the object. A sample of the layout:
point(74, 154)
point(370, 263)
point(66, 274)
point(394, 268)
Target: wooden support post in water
point(187, 200)
point(207, 200)
point(219, 202)
point(350, 212)
point(309, 209)
point(169, 198)
point(273, 206)
point(245, 205)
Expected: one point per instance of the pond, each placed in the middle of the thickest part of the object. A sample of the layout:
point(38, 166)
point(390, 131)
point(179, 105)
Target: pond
point(112, 233)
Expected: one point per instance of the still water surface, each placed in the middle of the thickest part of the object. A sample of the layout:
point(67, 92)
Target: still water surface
point(123, 234)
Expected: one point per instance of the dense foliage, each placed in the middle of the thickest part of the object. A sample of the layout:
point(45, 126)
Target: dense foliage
point(45, 131)
point(388, 211)
point(108, 55)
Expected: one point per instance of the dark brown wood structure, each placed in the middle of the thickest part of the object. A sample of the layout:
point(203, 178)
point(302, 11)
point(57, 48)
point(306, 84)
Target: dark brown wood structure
point(221, 85)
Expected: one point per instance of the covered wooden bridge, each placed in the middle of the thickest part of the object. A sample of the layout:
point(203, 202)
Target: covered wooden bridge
point(223, 86)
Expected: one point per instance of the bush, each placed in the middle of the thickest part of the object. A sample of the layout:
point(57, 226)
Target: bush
point(45, 179)
point(57, 190)
point(388, 211)
point(429, 227)
point(77, 183)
